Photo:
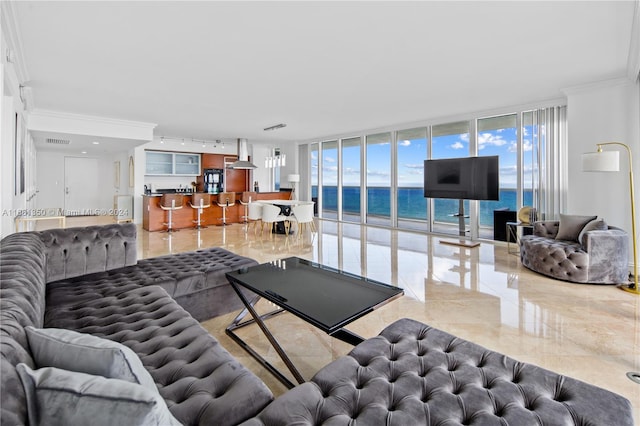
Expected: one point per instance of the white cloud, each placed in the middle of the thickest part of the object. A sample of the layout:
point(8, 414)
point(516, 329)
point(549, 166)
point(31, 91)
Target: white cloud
point(404, 143)
point(377, 173)
point(490, 139)
point(414, 166)
point(526, 146)
point(457, 145)
point(329, 159)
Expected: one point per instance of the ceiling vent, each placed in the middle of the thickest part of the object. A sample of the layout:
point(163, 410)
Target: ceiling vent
point(58, 141)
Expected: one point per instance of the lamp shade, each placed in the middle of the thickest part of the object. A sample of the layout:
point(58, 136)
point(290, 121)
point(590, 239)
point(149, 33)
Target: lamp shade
point(293, 178)
point(603, 161)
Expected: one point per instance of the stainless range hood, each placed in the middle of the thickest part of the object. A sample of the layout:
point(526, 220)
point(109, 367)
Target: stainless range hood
point(243, 162)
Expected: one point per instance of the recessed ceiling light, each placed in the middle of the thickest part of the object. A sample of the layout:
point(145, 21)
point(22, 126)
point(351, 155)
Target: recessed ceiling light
point(83, 152)
point(95, 143)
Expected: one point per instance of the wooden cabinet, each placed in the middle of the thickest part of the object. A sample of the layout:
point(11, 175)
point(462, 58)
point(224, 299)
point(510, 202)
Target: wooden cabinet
point(212, 161)
point(162, 163)
point(234, 180)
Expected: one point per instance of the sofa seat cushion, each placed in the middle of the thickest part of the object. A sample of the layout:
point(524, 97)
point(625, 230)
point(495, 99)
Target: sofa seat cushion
point(200, 381)
point(564, 260)
point(195, 279)
point(194, 271)
point(413, 374)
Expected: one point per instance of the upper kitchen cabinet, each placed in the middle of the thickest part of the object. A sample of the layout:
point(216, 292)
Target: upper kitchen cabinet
point(186, 164)
point(172, 163)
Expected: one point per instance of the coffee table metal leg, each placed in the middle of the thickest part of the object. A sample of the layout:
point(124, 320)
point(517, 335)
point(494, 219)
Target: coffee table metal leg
point(258, 319)
point(347, 336)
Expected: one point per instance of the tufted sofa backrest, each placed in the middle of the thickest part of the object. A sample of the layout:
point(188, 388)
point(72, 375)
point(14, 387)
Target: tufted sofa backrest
point(74, 252)
point(546, 228)
point(22, 303)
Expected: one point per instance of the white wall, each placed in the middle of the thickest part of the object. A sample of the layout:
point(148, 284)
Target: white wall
point(12, 203)
point(51, 183)
point(262, 175)
point(604, 112)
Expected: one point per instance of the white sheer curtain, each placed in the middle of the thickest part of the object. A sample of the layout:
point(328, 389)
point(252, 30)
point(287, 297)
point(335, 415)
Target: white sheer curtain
point(550, 158)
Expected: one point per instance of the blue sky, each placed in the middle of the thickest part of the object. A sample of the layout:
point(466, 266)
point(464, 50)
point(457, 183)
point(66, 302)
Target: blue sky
point(412, 153)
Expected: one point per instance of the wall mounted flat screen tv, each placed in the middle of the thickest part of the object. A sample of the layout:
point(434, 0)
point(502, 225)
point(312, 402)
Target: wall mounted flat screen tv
point(468, 178)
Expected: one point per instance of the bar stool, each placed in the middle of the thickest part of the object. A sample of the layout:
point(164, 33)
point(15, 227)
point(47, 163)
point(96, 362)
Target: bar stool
point(171, 202)
point(200, 201)
point(247, 196)
point(226, 200)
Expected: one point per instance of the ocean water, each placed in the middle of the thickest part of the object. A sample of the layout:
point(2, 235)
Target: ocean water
point(412, 204)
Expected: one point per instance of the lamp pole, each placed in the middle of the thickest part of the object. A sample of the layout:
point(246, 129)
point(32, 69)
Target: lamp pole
point(633, 288)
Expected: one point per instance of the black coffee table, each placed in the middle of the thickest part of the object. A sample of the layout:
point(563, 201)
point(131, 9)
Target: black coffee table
point(325, 297)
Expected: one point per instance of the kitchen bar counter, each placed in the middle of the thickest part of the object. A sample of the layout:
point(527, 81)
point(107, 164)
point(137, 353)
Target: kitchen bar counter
point(153, 217)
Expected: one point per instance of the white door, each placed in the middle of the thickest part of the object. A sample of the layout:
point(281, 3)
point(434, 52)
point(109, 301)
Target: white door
point(81, 186)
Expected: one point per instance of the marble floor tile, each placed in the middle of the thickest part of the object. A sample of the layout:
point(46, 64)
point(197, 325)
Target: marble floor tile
point(483, 294)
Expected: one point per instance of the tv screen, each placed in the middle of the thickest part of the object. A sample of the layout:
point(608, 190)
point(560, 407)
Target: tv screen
point(468, 178)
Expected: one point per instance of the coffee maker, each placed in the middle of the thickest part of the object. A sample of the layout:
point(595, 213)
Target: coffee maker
point(213, 181)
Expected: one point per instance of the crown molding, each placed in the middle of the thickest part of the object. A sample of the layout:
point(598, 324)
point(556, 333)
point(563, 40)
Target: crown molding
point(602, 84)
point(93, 118)
point(13, 40)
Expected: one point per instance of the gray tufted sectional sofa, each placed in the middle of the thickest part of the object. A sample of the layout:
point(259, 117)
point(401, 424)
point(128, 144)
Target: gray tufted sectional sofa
point(600, 257)
point(411, 374)
point(129, 303)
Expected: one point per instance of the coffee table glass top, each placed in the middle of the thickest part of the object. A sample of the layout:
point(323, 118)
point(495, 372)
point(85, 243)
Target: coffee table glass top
point(324, 296)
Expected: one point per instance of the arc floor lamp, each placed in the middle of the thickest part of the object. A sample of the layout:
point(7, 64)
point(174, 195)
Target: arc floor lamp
point(608, 161)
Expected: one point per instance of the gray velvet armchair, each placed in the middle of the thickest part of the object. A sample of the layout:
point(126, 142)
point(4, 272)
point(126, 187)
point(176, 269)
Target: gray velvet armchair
point(596, 257)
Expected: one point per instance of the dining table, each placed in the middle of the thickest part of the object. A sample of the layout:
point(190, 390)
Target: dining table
point(285, 209)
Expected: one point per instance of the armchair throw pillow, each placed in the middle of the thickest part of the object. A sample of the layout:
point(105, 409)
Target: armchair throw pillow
point(594, 225)
point(571, 225)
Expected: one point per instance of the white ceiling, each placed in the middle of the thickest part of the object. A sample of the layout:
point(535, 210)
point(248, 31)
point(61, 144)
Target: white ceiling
point(223, 70)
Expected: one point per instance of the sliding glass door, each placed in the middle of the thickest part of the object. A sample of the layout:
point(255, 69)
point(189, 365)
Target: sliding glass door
point(449, 140)
point(411, 146)
point(330, 179)
point(379, 179)
point(499, 136)
point(351, 181)
point(314, 173)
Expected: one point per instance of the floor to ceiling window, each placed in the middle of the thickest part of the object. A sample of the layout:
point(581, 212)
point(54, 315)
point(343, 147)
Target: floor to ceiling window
point(330, 179)
point(378, 179)
point(314, 178)
point(450, 140)
point(351, 180)
point(411, 146)
point(499, 136)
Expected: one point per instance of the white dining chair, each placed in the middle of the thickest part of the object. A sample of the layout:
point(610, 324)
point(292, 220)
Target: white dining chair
point(271, 214)
point(303, 214)
point(254, 215)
